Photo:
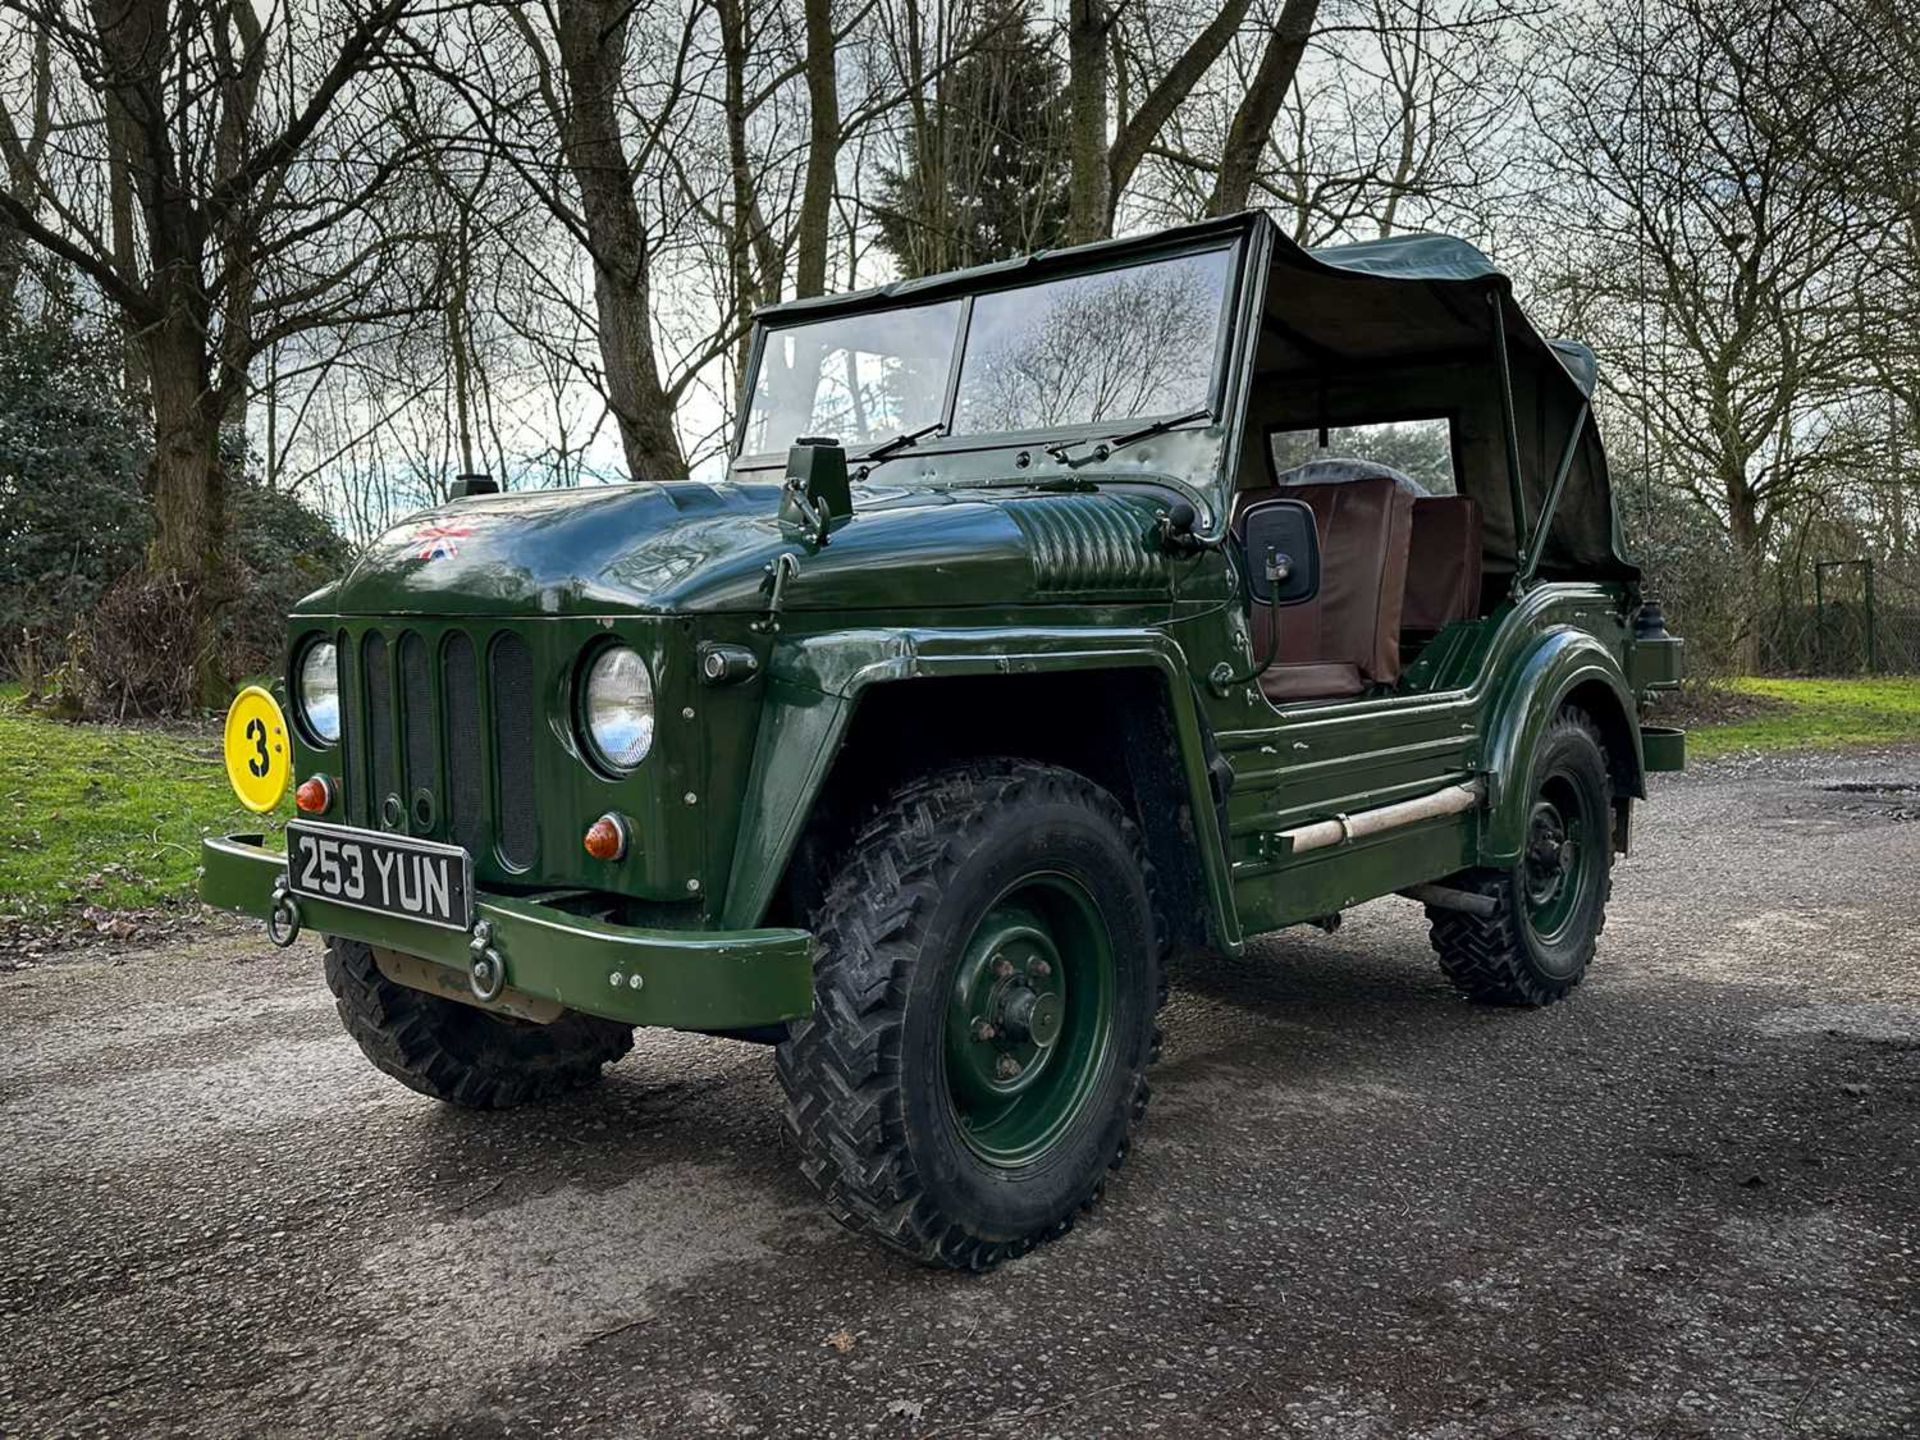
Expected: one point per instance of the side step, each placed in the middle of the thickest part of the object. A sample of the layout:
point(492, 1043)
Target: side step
point(1342, 829)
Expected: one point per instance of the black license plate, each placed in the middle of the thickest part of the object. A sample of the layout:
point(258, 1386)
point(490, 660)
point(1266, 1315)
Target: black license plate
point(389, 874)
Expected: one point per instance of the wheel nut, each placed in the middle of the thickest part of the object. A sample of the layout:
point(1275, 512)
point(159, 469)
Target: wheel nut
point(984, 1031)
point(1039, 969)
point(1002, 966)
point(1007, 1068)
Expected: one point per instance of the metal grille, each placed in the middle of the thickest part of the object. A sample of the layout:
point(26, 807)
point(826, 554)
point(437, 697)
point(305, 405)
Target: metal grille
point(465, 738)
point(466, 751)
point(383, 773)
point(416, 689)
point(510, 666)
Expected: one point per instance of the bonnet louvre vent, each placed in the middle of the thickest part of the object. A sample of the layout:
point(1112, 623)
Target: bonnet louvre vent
point(1083, 543)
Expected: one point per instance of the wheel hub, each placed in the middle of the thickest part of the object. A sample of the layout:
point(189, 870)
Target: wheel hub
point(1028, 1013)
point(1550, 853)
point(1029, 1017)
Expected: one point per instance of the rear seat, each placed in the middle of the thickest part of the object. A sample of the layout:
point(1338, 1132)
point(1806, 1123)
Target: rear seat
point(1443, 565)
point(1348, 636)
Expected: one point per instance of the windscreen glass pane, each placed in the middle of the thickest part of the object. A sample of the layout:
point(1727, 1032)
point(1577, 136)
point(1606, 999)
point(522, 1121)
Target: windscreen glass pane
point(860, 379)
point(1129, 344)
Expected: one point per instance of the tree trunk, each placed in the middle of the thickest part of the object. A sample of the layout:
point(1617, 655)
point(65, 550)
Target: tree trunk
point(1749, 548)
point(22, 154)
point(823, 152)
point(592, 39)
point(187, 487)
point(754, 261)
point(1142, 127)
point(1260, 106)
point(1089, 186)
point(240, 80)
point(120, 201)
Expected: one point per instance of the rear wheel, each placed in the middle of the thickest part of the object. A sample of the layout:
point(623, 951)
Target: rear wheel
point(985, 977)
point(460, 1053)
point(1536, 946)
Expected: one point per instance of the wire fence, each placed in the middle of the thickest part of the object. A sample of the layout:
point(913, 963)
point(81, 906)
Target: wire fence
point(1856, 616)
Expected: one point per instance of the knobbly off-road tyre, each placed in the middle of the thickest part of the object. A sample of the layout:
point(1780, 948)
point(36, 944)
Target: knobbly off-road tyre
point(460, 1053)
point(968, 898)
point(1537, 946)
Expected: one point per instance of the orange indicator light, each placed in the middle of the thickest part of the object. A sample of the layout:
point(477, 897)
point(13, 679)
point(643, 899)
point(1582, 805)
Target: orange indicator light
point(606, 838)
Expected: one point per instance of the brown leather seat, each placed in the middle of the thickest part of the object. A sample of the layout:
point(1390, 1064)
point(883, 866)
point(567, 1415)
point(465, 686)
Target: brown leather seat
point(1443, 563)
point(1347, 636)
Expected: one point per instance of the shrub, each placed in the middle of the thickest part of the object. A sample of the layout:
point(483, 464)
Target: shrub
point(71, 456)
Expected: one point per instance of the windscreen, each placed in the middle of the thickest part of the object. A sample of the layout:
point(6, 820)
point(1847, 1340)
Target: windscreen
point(1137, 343)
point(861, 378)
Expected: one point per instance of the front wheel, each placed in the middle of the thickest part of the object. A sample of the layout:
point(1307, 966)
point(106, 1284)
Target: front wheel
point(1550, 908)
point(458, 1053)
point(985, 980)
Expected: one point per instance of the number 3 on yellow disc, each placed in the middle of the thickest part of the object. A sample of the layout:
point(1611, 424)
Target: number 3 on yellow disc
point(259, 761)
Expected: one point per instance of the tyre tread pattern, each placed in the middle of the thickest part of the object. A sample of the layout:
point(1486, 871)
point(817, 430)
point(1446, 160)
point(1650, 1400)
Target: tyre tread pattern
point(458, 1053)
point(1486, 956)
point(839, 1067)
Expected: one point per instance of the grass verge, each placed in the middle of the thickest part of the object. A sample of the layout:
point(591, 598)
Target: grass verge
point(103, 815)
point(1816, 714)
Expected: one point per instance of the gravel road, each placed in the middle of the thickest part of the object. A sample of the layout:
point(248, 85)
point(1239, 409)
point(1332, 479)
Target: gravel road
point(1687, 1202)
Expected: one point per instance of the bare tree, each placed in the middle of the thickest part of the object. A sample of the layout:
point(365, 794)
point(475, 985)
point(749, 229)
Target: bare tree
point(1102, 167)
point(591, 39)
point(233, 144)
point(1260, 106)
point(1678, 161)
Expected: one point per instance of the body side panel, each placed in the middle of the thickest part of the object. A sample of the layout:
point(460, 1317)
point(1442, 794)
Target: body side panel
point(1313, 761)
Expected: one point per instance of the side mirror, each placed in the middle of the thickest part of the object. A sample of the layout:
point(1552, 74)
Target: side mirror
point(1283, 552)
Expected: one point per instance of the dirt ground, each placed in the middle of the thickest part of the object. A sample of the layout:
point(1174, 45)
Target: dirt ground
point(1685, 1203)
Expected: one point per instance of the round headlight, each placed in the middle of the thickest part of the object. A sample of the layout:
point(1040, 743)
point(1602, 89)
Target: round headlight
point(617, 707)
point(319, 691)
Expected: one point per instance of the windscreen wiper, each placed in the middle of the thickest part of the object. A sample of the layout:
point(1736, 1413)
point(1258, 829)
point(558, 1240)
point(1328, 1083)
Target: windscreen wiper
point(905, 441)
point(1146, 432)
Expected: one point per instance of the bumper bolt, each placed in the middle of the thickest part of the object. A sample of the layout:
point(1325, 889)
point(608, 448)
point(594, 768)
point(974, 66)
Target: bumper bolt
point(616, 979)
point(637, 980)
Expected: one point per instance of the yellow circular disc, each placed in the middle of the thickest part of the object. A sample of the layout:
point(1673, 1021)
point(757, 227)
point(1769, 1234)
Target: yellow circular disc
point(259, 757)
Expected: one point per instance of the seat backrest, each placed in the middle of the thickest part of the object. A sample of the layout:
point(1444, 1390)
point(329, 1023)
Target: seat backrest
point(1443, 563)
point(1355, 619)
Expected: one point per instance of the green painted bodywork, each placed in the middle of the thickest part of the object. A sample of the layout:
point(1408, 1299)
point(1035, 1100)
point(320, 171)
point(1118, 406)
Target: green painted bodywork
point(994, 560)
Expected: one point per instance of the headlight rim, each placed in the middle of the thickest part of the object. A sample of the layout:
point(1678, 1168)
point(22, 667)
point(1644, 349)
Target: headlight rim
point(595, 753)
point(297, 687)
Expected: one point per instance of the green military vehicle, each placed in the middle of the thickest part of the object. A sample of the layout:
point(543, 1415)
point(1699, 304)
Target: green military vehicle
point(1054, 618)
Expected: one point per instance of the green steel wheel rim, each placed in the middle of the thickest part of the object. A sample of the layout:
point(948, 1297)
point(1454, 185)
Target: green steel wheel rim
point(1029, 1020)
point(1557, 872)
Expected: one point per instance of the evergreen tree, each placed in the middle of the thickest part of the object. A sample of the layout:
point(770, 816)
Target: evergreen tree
point(986, 171)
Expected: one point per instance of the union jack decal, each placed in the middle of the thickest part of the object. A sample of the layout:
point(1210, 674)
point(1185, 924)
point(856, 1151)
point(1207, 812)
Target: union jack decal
point(437, 541)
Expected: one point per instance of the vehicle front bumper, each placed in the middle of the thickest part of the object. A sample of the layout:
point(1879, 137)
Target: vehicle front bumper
point(684, 979)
